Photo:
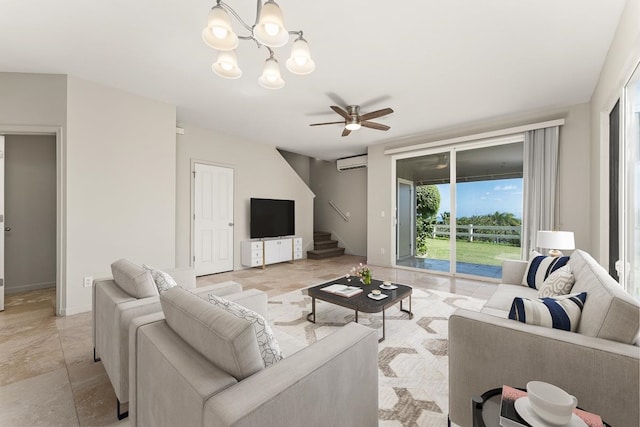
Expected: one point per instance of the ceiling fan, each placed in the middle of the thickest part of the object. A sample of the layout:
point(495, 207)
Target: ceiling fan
point(353, 120)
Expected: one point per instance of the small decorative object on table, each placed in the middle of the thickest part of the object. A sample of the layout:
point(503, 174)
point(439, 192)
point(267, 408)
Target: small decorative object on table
point(363, 272)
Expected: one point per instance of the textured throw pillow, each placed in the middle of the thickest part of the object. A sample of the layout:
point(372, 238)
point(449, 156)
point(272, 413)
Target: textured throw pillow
point(558, 283)
point(269, 348)
point(561, 312)
point(540, 267)
point(163, 280)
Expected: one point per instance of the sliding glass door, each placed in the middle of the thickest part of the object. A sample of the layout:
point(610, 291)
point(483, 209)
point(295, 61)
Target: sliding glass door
point(468, 208)
point(488, 208)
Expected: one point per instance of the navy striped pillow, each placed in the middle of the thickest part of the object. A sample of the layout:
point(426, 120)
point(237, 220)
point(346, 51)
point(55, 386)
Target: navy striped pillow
point(561, 312)
point(540, 267)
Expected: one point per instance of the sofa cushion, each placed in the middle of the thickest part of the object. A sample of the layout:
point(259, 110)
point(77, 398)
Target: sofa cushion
point(163, 280)
point(269, 348)
point(540, 267)
point(559, 282)
point(504, 295)
point(133, 279)
point(220, 337)
point(561, 312)
point(610, 312)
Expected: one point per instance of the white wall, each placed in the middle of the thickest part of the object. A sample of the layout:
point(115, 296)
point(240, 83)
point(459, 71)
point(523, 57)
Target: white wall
point(120, 174)
point(348, 190)
point(260, 171)
point(573, 174)
point(301, 164)
point(622, 58)
point(30, 212)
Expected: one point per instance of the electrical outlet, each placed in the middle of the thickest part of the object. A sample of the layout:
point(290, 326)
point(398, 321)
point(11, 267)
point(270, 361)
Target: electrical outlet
point(382, 251)
point(87, 281)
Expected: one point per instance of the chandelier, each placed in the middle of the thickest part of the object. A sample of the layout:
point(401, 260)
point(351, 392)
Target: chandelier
point(268, 31)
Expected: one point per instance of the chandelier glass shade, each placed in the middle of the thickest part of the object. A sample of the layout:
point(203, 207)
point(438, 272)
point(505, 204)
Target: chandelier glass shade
point(271, 78)
point(268, 31)
point(218, 33)
point(227, 65)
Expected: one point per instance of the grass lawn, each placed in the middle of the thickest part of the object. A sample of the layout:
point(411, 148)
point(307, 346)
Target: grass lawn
point(472, 252)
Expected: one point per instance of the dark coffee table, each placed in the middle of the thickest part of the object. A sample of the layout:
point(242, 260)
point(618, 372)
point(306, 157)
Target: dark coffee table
point(361, 302)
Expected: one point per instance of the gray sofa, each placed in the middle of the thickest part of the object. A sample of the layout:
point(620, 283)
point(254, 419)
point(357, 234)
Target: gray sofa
point(200, 366)
point(132, 293)
point(599, 363)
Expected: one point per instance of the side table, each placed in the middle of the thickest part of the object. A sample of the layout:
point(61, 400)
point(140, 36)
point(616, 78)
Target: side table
point(486, 409)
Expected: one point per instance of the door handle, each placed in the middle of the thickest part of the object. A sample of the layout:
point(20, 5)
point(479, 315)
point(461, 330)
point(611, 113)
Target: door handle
point(230, 224)
point(7, 229)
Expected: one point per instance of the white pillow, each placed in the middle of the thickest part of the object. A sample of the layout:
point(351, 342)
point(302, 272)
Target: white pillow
point(163, 280)
point(269, 348)
point(559, 282)
point(561, 312)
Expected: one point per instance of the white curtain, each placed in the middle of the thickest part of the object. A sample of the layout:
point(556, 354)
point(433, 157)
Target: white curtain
point(540, 172)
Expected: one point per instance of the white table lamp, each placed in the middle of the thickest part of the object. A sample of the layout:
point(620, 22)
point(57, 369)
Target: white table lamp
point(555, 240)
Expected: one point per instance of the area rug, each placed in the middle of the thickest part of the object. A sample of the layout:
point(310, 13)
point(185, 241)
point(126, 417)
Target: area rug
point(412, 360)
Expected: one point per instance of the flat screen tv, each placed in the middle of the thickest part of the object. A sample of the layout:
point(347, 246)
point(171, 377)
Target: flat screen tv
point(272, 218)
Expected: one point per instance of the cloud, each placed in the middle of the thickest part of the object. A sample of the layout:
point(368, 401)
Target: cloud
point(505, 187)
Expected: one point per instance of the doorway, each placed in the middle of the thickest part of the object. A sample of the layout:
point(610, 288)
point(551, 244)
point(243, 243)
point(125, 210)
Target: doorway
point(468, 207)
point(30, 213)
point(213, 219)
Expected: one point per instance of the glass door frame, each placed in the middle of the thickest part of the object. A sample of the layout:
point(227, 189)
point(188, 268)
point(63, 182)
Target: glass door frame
point(452, 150)
point(627, 156)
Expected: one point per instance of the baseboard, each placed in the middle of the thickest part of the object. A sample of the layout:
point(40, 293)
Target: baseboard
point(28, 287)
point(70, 311)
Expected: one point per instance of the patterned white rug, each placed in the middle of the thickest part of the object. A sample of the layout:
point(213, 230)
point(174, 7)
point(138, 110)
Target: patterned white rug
point(412, 360)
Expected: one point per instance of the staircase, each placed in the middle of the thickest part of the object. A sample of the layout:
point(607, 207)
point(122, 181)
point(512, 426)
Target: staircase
point(324, 247)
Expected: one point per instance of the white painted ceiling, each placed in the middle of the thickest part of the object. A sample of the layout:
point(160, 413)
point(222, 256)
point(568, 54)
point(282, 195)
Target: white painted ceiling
point(436, 63)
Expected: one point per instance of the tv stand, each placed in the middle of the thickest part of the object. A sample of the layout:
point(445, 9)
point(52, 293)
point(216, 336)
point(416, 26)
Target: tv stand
point(262, 252)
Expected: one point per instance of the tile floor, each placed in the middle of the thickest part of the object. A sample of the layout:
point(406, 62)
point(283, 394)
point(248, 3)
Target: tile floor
point(47, 373)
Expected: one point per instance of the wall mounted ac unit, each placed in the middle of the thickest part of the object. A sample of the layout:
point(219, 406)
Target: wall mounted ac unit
point(350, 163)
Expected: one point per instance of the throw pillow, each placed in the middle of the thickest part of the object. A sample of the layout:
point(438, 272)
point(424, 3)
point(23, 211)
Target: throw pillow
point(559, 282)
point(561, 312)
point(163, 280)
point(269, 348)
point(540, 267)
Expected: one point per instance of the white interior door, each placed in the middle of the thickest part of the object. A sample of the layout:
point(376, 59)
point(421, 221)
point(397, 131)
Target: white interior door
point(406, 215)
point(2, 222)
point(213, 219)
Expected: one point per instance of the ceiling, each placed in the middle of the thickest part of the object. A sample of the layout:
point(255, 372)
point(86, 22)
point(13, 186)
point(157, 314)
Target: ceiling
point(436, 63)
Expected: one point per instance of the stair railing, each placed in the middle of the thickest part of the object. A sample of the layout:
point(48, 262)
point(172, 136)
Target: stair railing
point(337, 209)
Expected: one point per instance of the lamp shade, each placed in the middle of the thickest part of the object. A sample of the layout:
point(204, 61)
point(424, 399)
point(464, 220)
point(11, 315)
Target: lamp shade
point(556, 240)
point(270, 30)
point(227, 65)
point(300, 61)
point(218, 33)
point(271, 78)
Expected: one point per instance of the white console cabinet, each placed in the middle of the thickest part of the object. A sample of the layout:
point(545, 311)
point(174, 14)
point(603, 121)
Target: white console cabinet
point(259, 253)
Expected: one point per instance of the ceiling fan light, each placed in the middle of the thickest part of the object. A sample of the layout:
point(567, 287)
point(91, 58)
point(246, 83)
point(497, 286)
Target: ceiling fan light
point(270, 30)
point(271, 78)
point(227, 65)
point(218, 33)
point(300, 61)
point(353, 126)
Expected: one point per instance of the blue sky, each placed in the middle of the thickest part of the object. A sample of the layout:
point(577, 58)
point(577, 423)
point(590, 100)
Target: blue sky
point(484, 197)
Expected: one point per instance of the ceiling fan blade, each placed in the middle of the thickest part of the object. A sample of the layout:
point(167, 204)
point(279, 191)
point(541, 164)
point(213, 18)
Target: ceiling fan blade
point(327, 123)
point(346, 132)
point(340, 111)
point(376, 114)
point(373, 125)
